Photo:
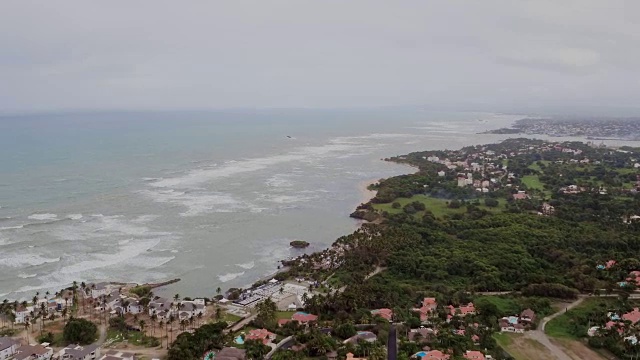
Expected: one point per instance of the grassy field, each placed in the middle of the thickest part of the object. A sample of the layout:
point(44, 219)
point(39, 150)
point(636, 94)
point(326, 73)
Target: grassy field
point(438, 207)
point(537, 167)
point(505, 305)
point(532, 182)
point(565, 325)
point(284, 314)
point(522, 348)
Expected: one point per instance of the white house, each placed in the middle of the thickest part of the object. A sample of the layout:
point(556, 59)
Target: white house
point(161, 305)
point(34, 352)
point(8, 347)
point(189, 309)
point(77, 352)
point(99, 290)
point(23, 314)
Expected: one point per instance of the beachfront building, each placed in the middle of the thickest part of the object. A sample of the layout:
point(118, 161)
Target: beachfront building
point(8, 347)
point(77, 352)
point(34, 352)
point(100, 289)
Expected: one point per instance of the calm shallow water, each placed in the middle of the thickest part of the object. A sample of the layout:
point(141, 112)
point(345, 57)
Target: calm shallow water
point(211, 198)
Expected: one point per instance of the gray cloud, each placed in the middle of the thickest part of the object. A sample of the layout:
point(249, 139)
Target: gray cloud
point(324, 53)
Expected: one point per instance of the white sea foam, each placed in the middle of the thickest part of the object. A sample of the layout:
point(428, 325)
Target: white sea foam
point(43, 217)
point(16, 260)
point(2, 228)
point(26, 276)
point(75, 216)
point(279, 181)
point(234, 167)
point(145, 219)
point(198, 203)
point(229, 276)
point(248, 265)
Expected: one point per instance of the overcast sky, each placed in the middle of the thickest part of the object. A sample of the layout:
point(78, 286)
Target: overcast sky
point(324, 53)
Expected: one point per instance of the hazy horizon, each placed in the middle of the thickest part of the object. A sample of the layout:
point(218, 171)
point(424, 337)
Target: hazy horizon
point(496, 55)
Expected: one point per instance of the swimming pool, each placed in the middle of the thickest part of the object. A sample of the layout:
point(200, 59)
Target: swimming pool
point(421, 354)
point(239, 340)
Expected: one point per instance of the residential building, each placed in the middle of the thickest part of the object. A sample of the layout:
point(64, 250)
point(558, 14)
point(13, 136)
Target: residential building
point(263, 335)
point(527, 316)
point(386, 314)
point(432, 355)
point(350, 356)
point(367, 336)
point(33, 352)
point(304, 318)
point(99, 289)
point(231, 353)
point(463, 310)
point(77, 352)
point(474, 355)
point(8, 347)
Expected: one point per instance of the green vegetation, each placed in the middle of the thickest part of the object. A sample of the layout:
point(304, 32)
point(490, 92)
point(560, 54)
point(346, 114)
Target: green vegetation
point(532, 182)
point(437, 207)
point(189, 346)
point(141, 291)
point(80, 331)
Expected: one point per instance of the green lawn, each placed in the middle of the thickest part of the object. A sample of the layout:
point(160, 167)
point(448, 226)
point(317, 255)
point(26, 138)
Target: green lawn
point(438, 207)
point(532, 182)
point(506, 305)
point(284, 314)
point(537, 167)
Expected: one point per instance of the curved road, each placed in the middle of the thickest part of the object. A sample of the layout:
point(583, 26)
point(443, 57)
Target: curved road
point(539, 335)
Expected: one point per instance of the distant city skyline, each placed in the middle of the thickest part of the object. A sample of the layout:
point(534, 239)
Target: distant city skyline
point(490, 55)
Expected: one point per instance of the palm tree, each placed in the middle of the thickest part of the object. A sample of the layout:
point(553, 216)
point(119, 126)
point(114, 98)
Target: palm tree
point(35, 300)
point(64, 315)
point(153, 319)
point(218, 290)
point(176, 297)
point(171, 320)
point(218, 313)
point(43, 316)
point(142, 324)
point(191, 321)
point(46, 295)
point(160, 326)
point(199, 318)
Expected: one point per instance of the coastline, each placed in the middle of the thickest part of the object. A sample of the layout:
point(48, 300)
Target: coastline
point(367, 195)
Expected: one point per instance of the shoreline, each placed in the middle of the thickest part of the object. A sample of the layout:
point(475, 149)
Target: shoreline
point(367, 195)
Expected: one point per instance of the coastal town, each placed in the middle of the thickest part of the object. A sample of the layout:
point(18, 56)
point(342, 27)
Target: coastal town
point(590, 128)
point(315, 308)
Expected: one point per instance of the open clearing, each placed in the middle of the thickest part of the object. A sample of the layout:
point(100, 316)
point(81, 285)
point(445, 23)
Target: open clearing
point(522, 348)
point(439, 207)
point(577, 350)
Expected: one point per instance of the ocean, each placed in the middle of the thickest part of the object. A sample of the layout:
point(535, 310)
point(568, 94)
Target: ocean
point(212, 198)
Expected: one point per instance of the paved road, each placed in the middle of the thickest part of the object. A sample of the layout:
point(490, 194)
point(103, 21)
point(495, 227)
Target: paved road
point(539, 335)
point(242, 323)
point(392, 344)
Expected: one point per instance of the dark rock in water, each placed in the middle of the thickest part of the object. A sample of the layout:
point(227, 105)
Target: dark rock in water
point(299, 244)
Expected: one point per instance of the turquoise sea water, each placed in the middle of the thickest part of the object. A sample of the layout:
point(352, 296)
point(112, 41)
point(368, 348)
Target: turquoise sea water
point(210, 197)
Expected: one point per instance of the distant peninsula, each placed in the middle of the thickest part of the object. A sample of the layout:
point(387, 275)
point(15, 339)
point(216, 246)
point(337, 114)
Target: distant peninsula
point(591, 128)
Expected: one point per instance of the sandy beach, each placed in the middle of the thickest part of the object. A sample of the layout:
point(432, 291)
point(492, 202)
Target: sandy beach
point(365, 194)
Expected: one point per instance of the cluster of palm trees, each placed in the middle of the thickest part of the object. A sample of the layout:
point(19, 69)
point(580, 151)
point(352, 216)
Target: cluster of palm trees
point(40, 310)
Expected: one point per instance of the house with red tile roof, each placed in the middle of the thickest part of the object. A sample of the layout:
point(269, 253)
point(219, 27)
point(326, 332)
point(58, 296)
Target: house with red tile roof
point(428, 308)
point(433, 355)
point(520, 195)
point(304, 318)
point(474, 355)
point(263, 335)
point(475, 339)
point(632, 316)
point(634, 276)
point(610, 264)
point(384, 313)
point(463, 310)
